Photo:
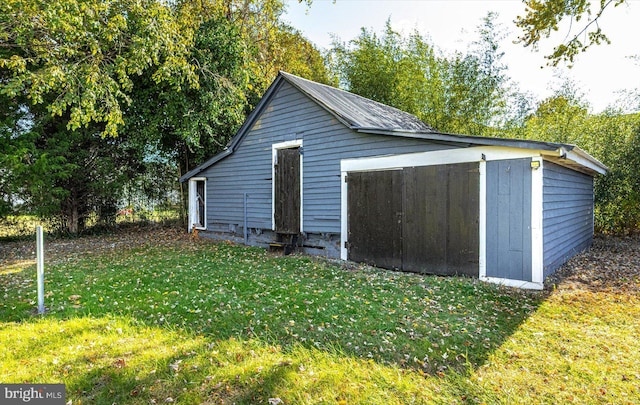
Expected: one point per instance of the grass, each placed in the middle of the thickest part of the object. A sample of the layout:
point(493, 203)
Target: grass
point(197, 322)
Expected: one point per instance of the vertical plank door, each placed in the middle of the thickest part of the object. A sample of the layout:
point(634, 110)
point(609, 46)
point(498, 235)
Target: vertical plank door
point(287, 191)
point(374, 201)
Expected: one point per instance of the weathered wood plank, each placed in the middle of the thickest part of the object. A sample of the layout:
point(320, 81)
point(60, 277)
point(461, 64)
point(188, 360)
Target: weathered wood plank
point(287, 191)
point(463, 198)
point(375, 218)
point(425, 220)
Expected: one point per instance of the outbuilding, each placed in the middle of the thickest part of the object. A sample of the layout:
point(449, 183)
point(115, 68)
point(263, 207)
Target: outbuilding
point(336, 174)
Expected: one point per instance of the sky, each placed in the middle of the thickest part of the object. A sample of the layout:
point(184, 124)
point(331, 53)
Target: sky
point(599, 74)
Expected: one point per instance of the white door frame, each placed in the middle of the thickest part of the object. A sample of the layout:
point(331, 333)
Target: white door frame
point(274, 160)
point(193, 204)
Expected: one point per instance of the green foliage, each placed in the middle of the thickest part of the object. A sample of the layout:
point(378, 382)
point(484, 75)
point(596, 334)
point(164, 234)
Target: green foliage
point(12, 119)
point(543, 17)
point(79, 58)
point(186, 125)
point(69, 68)
point(274, 45)
point(463, 93)
point(611, 137)
point(617, 194)
point(71, 174)
point(172, 80)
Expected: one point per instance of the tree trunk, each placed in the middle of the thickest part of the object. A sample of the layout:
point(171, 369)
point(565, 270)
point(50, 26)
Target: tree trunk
point(72, 219)
point(184, 202)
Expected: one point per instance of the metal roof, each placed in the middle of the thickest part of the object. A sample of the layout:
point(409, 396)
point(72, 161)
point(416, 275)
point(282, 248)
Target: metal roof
point(356, 111)
point(368, 116)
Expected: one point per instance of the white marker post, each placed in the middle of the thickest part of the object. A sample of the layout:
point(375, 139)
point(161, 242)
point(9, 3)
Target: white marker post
point(40, 260)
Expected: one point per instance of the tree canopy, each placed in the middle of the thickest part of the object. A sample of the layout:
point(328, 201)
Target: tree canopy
point(95, 93)
point(459, 93)
point(81, 57)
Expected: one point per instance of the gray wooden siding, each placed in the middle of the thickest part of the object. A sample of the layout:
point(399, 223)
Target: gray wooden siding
point(509, 219)
point(567, 214)
point(291, 115)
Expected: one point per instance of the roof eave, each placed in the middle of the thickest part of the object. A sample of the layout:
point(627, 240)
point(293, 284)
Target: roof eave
point(205, 165)
point(560, 151)
point(583, 158)
point(465, 139)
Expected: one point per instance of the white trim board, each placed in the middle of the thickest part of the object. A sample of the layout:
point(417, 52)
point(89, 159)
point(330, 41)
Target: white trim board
point(344, 229)
point(537, 232)
point(480, 154)
point(440, 157)
point(482, 220)
point(274, 159)
point(528, 285)
point(193, 205)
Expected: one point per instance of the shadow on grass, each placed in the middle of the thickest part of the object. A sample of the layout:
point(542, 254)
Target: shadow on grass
point(402, 326)
point(114, 360)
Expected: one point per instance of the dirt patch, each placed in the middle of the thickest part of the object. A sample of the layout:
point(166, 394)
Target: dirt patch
point(611, 264)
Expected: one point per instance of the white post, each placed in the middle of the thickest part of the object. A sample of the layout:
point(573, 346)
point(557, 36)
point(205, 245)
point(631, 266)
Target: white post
point(40, 260)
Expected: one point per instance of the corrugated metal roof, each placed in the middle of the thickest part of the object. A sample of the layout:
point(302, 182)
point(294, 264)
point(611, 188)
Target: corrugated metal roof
point(356, 111)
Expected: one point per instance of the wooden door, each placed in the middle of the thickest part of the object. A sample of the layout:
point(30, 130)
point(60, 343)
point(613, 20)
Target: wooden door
point(419, 219)
point(287, 191)
point(374, 202)
point(463, 219)
point(509, 219)
point(425, 225)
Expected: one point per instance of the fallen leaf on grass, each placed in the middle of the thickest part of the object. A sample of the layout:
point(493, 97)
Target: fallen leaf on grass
point(120, 363)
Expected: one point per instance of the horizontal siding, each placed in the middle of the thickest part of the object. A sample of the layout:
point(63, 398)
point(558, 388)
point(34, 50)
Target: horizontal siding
point(567, 214)
point(291, 115)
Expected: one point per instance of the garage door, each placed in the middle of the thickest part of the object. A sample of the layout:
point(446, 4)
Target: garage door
point(419, 219)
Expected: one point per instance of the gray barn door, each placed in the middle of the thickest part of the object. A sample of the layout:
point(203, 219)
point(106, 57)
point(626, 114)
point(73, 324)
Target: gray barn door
point(374, 202)
point(287, 191)
point(422, 219)
point(509, 219)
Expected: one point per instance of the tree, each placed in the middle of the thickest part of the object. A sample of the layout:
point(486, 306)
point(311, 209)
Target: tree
point(463, 93)
point(114, 90)
point(542, 17)
point(67, 71)
point(68, 175)
point(13, 120)
point(611, 137)
point(370, 66)
point(79, 58)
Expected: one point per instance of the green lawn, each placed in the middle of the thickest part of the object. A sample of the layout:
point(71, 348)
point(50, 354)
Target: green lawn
point(201, 322)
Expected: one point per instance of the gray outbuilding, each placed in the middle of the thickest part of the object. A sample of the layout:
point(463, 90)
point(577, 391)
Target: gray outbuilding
point(339, 175)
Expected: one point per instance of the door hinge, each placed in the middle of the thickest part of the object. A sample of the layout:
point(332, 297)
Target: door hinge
point(345, 179)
